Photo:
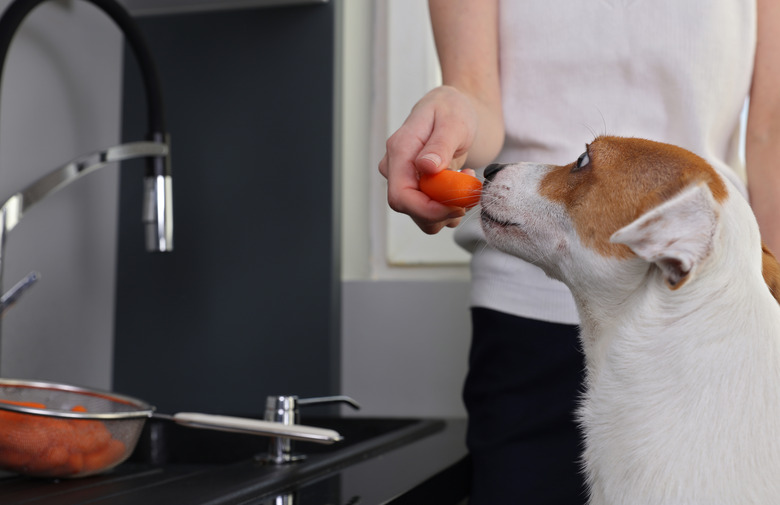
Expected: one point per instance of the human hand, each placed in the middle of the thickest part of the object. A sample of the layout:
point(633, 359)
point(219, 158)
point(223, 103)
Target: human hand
point(437, 134)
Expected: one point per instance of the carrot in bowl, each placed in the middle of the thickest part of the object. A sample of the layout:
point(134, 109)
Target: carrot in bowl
point(54, 447)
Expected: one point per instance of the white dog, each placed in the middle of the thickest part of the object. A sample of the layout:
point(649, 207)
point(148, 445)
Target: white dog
point(680, 330)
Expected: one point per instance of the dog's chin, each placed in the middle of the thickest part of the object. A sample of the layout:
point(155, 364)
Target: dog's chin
point(508, 237)
point(490, 221)
point(516, 240)
point(500, 230)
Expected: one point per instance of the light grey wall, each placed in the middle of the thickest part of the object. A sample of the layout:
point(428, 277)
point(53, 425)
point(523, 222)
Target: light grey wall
point(405, 330)
point(60, 99)
point(405, 346)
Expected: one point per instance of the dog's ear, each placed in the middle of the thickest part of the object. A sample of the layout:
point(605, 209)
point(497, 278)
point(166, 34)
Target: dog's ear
point(676, 235)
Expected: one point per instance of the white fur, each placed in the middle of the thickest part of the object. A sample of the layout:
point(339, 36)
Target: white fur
point(682, 344)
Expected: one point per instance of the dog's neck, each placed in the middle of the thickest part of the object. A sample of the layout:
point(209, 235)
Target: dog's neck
point(680, 358)
point(638, 305)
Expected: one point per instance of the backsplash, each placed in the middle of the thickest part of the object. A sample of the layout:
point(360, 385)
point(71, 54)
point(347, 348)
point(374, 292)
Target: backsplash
point(247, 304)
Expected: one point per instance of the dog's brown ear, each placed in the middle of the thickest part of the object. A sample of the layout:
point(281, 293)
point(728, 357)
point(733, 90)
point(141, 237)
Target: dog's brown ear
point(771, 271)
point(676, 235)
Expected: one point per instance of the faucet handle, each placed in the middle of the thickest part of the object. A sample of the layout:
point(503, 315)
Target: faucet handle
point(13, 294)
point(323, 400)
point(285, 408)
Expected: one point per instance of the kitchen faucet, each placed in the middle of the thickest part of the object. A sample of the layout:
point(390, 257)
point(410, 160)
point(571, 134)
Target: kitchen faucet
point(158, 209)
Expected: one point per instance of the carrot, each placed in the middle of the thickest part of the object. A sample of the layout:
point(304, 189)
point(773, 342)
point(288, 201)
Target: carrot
point(452, 188)
point(106, 457)
point(10, 458)
point(48, 461)
point(52, 447)
point(89, 436)
point(33, 405)
point(75, 464)
point(7, 416)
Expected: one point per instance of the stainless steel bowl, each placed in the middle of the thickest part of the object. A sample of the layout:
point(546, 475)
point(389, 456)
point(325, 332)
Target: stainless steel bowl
point(57, 430)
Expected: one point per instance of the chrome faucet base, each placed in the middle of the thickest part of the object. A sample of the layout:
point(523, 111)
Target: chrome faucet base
point(285, 459)
point(286, 410)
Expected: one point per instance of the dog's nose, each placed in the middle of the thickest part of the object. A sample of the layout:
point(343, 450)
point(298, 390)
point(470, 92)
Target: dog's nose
point(491, 170)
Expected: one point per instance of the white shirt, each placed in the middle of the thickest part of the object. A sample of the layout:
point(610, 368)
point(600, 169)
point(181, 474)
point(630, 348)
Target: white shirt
point(675, 71)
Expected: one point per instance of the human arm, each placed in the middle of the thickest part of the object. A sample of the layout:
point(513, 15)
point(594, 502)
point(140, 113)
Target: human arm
point(762, 140)
point(455, 125)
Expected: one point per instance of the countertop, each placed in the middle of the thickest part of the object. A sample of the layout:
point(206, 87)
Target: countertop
point(426, 465)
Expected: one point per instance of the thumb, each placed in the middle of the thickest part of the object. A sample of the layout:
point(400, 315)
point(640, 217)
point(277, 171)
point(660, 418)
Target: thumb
point(438, 153)
point(430, 162)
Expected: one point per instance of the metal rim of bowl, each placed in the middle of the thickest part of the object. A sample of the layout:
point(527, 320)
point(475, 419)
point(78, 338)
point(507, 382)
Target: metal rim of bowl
point(142, 409)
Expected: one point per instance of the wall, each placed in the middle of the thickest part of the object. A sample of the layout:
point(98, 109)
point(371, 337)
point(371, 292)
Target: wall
point(246, 305)
point(405, 335)
point(405, 325)
point(61, 99)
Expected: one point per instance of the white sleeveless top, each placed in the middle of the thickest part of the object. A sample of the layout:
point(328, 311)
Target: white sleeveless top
point(675, 71)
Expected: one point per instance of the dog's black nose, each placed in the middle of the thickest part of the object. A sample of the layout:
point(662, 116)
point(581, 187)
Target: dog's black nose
point(491, 170)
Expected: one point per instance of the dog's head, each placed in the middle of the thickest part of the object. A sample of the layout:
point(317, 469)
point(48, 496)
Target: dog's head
point(626, 206)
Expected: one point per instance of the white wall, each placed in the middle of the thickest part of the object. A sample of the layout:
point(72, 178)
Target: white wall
point(405, 322)
point(60, 99)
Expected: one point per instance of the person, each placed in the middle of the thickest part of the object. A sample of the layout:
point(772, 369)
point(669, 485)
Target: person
point(534, 80)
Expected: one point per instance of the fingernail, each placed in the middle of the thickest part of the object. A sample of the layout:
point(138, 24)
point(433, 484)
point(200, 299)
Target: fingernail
point(433, 158)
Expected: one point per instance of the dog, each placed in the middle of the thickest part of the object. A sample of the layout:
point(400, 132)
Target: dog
point(680, 324)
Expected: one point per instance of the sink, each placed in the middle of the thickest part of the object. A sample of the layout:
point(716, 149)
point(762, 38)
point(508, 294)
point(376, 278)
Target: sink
point(177, 464)
point(163, 442)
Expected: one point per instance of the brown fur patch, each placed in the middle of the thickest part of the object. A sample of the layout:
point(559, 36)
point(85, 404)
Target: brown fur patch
point(625, 178)
point(770, 268)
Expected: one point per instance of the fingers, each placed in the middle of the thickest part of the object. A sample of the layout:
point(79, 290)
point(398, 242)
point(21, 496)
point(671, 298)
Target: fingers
point(436, 135)
point(447, 145)
point(432, 228)
point(404, 196)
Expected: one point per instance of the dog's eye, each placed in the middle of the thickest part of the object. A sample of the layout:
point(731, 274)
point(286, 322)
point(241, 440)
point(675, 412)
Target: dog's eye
point(582, 162)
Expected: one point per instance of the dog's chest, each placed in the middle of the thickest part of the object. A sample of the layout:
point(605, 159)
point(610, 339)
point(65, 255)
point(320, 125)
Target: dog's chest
point(665, 425)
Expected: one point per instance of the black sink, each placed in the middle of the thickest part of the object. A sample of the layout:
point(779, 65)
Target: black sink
point(163, 442)
point(171, 462)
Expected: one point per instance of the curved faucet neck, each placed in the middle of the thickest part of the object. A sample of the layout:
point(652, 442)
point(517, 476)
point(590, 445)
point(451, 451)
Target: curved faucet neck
point(16, 13)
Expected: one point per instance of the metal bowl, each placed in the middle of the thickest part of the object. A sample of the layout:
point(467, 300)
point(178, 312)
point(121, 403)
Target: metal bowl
point(57, 430)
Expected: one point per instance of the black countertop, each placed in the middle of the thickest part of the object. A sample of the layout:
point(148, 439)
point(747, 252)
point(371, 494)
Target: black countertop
point(419, 463)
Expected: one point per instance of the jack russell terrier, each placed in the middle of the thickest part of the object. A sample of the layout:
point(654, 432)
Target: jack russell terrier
point(679, 324)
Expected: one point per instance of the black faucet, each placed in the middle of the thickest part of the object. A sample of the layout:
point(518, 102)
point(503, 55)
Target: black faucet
point(158, 210)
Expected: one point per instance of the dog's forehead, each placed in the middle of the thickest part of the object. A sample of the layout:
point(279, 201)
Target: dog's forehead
point(624, 178)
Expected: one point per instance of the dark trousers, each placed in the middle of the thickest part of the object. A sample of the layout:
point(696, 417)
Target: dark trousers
point(521, 392)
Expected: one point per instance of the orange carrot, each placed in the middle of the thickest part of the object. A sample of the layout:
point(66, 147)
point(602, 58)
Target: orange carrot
point(75, 463)
point(53, 447)
point(10, 458)
point(104, 458)
point(48, 461)
point(452, 188)
point(24, 404)
point(89, 436)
